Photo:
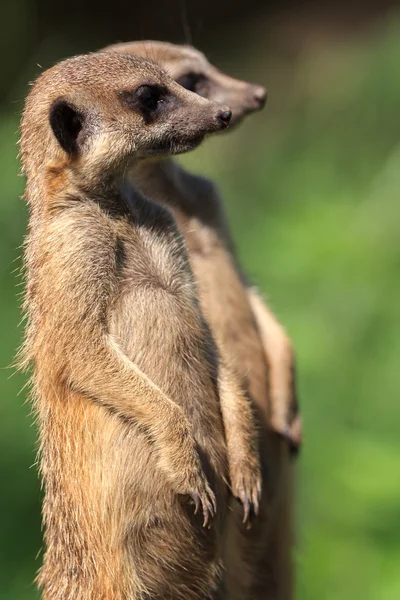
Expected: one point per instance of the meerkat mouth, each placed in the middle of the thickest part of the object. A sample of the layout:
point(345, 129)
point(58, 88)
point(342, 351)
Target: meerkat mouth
point(178, 146)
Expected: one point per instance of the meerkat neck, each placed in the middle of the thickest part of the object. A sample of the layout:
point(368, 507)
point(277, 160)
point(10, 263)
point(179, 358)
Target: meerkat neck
point(55, 186)
point(165, 181)
point(48, 187)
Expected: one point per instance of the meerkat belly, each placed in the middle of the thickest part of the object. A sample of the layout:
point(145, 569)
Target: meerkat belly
point(158, 325)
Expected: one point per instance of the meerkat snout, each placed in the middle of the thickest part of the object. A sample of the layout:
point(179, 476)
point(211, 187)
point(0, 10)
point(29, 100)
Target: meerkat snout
point(225, 118)
point(259, 95)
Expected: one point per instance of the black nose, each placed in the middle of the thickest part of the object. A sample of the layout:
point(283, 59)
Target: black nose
point(224, 117)
point(260, 96)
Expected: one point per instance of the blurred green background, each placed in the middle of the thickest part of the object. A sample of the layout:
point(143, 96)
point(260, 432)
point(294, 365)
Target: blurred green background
point(312, 189)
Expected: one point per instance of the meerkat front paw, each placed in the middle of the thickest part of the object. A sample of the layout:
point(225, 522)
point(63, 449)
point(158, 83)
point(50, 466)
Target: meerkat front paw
point(192, 482)
point(246, 485)
point(203, 494)
point(196, 486)
point(186, 476)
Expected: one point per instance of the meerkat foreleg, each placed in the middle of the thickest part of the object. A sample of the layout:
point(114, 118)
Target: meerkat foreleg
point(285, 418)
point(242, 441)
point(114, 381)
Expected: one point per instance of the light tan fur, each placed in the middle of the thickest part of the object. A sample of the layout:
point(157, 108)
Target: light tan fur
point(128, 384)
point(247, 334)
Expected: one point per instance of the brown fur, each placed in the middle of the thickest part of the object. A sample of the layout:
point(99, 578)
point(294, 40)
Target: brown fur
point(128, 383)
point(246, 332)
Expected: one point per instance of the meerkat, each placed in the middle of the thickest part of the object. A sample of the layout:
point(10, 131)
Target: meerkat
point(259, 563)
point(131, 393)
point(198, 208)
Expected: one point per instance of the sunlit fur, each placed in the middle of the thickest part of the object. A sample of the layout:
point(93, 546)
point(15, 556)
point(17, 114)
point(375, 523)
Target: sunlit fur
point(128, 385)
point(246, 332)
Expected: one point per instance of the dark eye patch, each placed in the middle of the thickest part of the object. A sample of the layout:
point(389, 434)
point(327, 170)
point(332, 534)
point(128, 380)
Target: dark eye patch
point(148, 96)
point(194, 82)
point(146, 99)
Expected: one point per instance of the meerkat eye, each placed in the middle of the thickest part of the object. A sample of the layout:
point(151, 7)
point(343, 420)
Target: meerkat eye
point(194, 82)
point(149, 97)
point(188, 81)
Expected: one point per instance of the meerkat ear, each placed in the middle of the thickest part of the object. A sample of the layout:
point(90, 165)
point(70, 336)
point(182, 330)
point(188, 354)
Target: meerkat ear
point(66, 122)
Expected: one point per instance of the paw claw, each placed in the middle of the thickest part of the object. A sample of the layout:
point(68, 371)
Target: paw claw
point(196, 500)
point(256, 504)
point(246, 506)
point(208, 504)
point(248, 492)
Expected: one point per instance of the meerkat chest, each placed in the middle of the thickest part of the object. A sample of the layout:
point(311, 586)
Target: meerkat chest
point(150, 251)
point(156, 297)
point(226, 308)
point(157, 322)
point(223, 297)
point(199, 238)
point(222, 294)
point(155, 262)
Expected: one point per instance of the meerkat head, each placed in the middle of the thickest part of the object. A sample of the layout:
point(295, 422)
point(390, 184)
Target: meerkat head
point(190, 68)
point(98, 113)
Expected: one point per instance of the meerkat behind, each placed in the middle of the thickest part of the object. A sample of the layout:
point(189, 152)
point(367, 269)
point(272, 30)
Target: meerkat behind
point(245, 330)
point(191, 69)
point(127, 381)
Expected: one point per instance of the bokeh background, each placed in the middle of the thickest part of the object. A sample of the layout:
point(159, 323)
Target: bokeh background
point(312, 189)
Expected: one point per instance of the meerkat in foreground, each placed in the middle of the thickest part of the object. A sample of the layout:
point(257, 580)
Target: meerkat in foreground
point(131, 395)
point(246, 332)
